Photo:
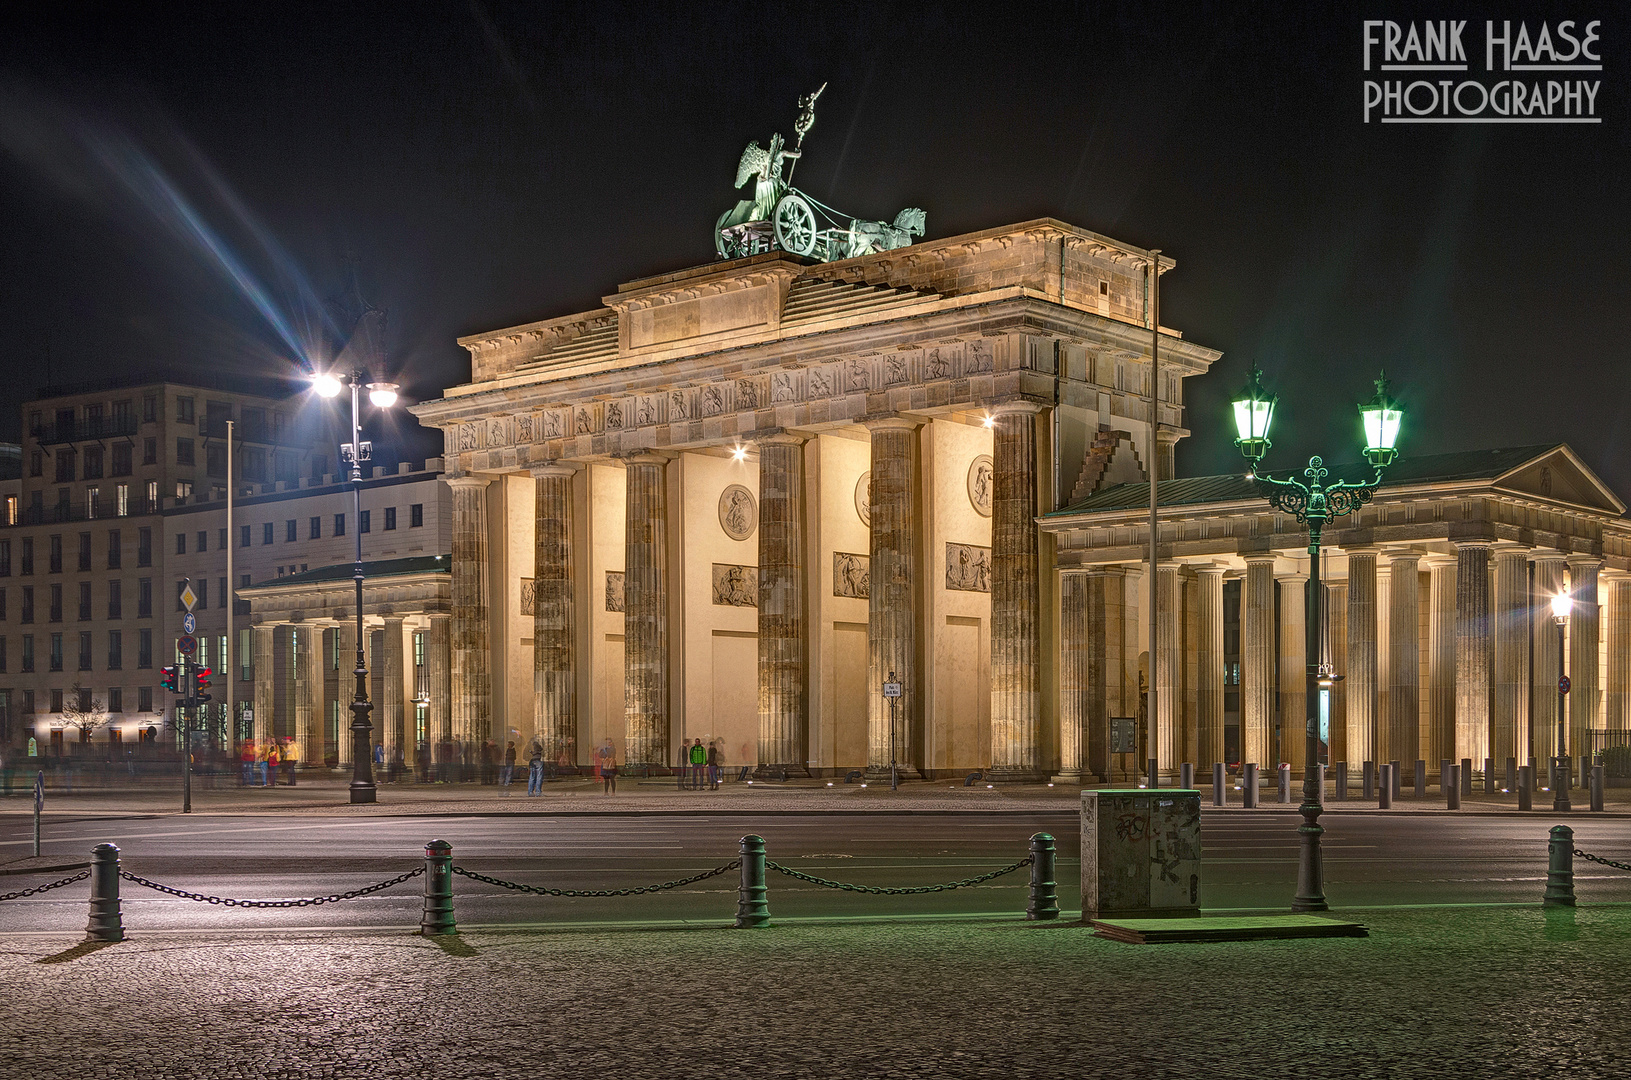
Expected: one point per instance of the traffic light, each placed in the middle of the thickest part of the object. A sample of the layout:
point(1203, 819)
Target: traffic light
point(169, 680)
point(201, 684)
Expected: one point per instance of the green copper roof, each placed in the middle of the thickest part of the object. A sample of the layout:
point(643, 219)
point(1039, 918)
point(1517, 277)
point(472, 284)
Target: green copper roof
point(417, 564)
point(1234, 487)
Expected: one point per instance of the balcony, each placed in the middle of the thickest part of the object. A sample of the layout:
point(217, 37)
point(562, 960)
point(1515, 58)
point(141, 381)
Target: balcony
point(84, 430)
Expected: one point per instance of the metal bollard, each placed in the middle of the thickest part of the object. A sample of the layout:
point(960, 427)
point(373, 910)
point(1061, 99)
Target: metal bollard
point(1153, 772)
point(1342, 781)
point(1248, 785)
point(106, 923)
point(1284, 782)
point(1044, 902)
point(1367, 783)
point(1444, 777)
point(1421, 779)
point(1511, 774)
point(438, 914)
point(1186, 775)
point(1489, 776)
point(1534, 774)
point(1560, 868)
point(1596, 787)
point(1397, 787)
point(1220, 785)
point(1466, 776)
point(1384, 790)
point(1452, 791)
point(1585, 770)
point(1526, 793)
point(752, 906)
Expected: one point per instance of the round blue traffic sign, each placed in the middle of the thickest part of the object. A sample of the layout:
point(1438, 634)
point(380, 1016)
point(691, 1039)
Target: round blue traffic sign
point(186, 644)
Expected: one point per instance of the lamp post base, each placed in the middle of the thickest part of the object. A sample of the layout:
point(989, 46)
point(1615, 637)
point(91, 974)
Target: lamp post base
point(362, 793)
point(1310, 861)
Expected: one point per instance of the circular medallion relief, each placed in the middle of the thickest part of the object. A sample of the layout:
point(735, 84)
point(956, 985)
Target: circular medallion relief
point(738, 512)
point(863, 498)
point(980, 484)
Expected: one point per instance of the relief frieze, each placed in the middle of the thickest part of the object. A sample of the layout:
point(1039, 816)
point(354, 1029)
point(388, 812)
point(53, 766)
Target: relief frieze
point(736, 586)
point(968, 568)
point(614, 590)
point(851, 575)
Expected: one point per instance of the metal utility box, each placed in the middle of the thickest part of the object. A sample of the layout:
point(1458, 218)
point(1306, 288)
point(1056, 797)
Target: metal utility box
point(1141, 853)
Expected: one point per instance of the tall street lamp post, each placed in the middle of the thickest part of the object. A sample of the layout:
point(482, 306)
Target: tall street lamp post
point(382, 395)
point(1314, 503)
point(1561, 603)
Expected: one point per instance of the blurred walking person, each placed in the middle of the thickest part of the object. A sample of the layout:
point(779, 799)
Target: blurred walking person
point(535, 769)
point(606, 759)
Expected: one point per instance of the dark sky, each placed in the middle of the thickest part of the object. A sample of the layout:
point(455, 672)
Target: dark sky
point(187, 187)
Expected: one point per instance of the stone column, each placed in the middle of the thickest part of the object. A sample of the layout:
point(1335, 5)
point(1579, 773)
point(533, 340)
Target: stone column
point(645, 612)
point(1583, 657)
point(1336, 629)
point(265, 680)
point(1509, 731)
point(1360, 687)
point(784, 725)
point(472, 690)
point(892, 608)
point(309, 703)
point(1472, 651)
point(346, 687)
point(391, 706)
point(1076, 682)
point(554, 615)
point(1294, 672)
point(1618, 676)
point(439, 661)
point(1016, 687)
point(1168, 668)
point(1404, 658)
point(1105, 665)
point(1441, 623)
point(1257, 662)
point(1548, 581)
point(1209, 686)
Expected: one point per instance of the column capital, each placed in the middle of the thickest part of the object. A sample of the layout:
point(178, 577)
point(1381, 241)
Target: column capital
point(892, 422)
point(1291, 575)
point(465, 480)
point(645, 457)
point(1541, 555)
point(1404, 556)
point(1211, 569)
point(553, 469)
point(1586, 563)
point(1474, 544)
point(1017, 405)
point(778, 437)
point(1261, 558)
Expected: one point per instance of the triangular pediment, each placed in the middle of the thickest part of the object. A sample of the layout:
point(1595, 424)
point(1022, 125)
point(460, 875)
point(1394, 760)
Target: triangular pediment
point(1558, 475)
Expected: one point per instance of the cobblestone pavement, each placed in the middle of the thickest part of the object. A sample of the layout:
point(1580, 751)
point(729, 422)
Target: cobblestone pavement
point(1447, 992)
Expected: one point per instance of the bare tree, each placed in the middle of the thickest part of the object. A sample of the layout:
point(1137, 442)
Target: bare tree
point(81, 710)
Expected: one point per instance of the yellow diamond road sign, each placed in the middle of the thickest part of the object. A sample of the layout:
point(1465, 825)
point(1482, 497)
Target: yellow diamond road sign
point(188, 597)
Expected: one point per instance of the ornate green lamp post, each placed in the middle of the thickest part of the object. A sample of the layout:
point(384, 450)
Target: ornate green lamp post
point(1314, 503)
point(1561, 605)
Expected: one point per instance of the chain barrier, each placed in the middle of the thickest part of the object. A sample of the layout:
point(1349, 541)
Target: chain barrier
point(1600, 861)
point(881, 890)
point(735, 864)
point(311, 902)
point(45, 888)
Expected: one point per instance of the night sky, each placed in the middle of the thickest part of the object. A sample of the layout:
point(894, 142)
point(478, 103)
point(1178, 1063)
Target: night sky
point(194, 189)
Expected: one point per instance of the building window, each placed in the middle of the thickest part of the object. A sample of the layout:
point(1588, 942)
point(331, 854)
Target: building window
point(116, 700)
point(150, 451)
point(116, 650)
point(56, 554)
point(84, 650)
point(121, 502)
point(316, 528)
point(5, 558)
point(254, 462)
point(144, 648)
point(36, 463)
point(144, 546)
point(243, 536)
point(28, 604)
point(93, 504)
point(144, 598)
point(266, 533)
point(84, 551)
point(56, 603)
point(56, 652)
point(28, 556)
point(221, 540)
point(144, 699)
point(246, 654)
point(290, 533)
point(65, 466)
point(319, 466)
point(28, 652)
point(203, 540)
point(93, 463)
point(181, 543)
point(56, 700)
point(215, 461)
point(12, 510)
point(202, 588)
point(184, 452)
point(184, 410)
point(2, 605)
point(115, 554)
point(288, 467)
point(121, 459)
point(363, 520)
point(84, 601)
point(116, 600)
point(2, 654)
point(152, 496)
point(184, 491)
point(416, 515)
point(390, 518)
point(339, 528)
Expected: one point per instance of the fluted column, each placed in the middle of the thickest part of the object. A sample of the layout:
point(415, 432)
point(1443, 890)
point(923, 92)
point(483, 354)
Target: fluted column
point(471, 684)
point(1509, 730)
point(1257, 662)
point(1209, 684)
point(1441, 679)
point(1404, 657)
point(1361, 687)
point(1105, 665)
point(1547, 582)
point(892, 607)
point(346, 686)
point(1016, 687)
point(1472, 651)
point(1075, 678)
point(1336, 644)
point(390, 731)
point(1293, 670)
point(265, 684)
point(1618, 676)
point(1583, 657)
point(439, 664)
point(554, 613)
point(783, 642)
point(309, 695)
point(645, 612)
point(1168, 667)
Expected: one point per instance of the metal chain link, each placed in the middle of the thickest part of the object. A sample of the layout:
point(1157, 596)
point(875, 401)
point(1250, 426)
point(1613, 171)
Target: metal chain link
point(312, 902)
point(45, 888)
point(880, 890)
point(1600, 861)
point(543, 891)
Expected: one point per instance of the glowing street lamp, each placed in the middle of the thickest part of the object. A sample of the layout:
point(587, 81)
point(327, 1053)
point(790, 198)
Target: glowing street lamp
point(1561, 605)
point(1314, 503)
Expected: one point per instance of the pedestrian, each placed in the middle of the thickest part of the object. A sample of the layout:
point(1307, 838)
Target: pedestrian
point(535, 769)
point(379, 761)
point(291, 758)
point(606, 758)
point(713, 765)
point(246, 755)
point(273, 760)
point(508, 770)
point(699, 763)
point(260, 764)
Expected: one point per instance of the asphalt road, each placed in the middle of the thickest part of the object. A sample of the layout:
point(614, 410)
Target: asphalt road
point(1371, 860)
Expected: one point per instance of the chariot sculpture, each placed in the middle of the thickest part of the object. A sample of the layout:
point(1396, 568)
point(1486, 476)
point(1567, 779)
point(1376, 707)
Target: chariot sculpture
point(780, 216)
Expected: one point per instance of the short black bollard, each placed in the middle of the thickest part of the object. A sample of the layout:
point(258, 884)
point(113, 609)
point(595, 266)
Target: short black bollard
point(1220, 784)
point(752, 906)
point(1342, 781)
point(1526, 793)
point(438, 915)
point(1444, 777)
point(1452, 790)
point(1186, 775)
point(1384, 790)
point(1560, 868)
point(1596, 787)
point(1398, 779)
point(1153, 773)
point(1466, 775)
point(106, 923)
point(1248, 787)
point(1511, 773)
point(1585, 771)
point(1367, 782)
point(1421, 779)
point(1044, 902)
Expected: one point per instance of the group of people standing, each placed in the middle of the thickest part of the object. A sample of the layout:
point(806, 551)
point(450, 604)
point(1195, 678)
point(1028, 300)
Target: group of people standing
point(263, 760)
point(701, 765)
